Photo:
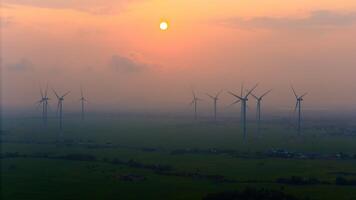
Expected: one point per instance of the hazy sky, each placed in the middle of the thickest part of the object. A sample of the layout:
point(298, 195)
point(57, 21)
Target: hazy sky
point(115, 49)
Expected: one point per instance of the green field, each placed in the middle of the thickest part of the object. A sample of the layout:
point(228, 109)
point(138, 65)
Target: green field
point(150, 142)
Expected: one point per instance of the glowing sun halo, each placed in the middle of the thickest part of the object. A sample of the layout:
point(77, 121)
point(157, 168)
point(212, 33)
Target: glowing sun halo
point(163, 26)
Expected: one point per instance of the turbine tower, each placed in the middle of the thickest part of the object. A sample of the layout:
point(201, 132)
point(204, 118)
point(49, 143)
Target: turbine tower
point(195, 102)
point(244, 100)
point(82, 100)
point(60, 107)
point(298, 106)
point(258, 108)
point(215, 99)
point(44, 101)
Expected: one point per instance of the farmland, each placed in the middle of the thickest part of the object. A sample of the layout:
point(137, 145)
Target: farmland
point(173, 158)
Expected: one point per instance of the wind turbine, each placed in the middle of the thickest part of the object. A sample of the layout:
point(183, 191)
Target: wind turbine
point(298, 106)
point(60, 107)
point(258, 114)
point(215, 99)
point(82, 100)
point(195, 102)
point(44, 101)
point(243, 100)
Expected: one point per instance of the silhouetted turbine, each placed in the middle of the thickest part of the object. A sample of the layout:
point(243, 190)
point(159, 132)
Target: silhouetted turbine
point(82, 100)
point(258, 108)
point(44, 101)
point(215, 100)
point(298, 106)
point(195, 102)
point(60, 107)
point(244, 100)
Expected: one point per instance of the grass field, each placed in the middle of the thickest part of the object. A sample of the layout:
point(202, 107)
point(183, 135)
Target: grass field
point(150, 142)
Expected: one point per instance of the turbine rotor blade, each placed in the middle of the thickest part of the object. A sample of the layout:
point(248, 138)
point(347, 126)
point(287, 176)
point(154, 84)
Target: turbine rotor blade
point(41, 92)
point(193, 94)
point(191, 103)
point(295, 94)
point(37, 102)
point(266, 93)
point(240, 98)
point(251, 90)
point(210, 96)
point(38, 105)
point(254, 96)
point(238, 101)
point(65, 94)
point(304, 95)
point(55, 93)
point(218, 94)
point(46, 90)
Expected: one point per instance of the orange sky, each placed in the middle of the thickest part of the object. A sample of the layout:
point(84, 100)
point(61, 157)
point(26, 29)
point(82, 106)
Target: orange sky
point(117, 52)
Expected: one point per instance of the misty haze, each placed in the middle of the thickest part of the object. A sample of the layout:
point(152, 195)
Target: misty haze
point(150, 99)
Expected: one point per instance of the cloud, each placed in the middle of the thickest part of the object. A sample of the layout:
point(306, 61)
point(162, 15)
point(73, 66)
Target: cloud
point(87, 32)
point(6, 21)
point(22, 65)
point(126, 65)
point(316, 19)
point(90, 6)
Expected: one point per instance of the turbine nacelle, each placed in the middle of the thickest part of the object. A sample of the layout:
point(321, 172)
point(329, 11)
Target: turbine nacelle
point(60, 98)
point(243, 98)
point(81, 94)
point(44, 96)
point(260, 98)
point(299, 98)
point(195, 98)
point(216, 97)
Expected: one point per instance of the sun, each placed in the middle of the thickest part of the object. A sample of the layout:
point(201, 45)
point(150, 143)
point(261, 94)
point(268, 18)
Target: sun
point(163, 25)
